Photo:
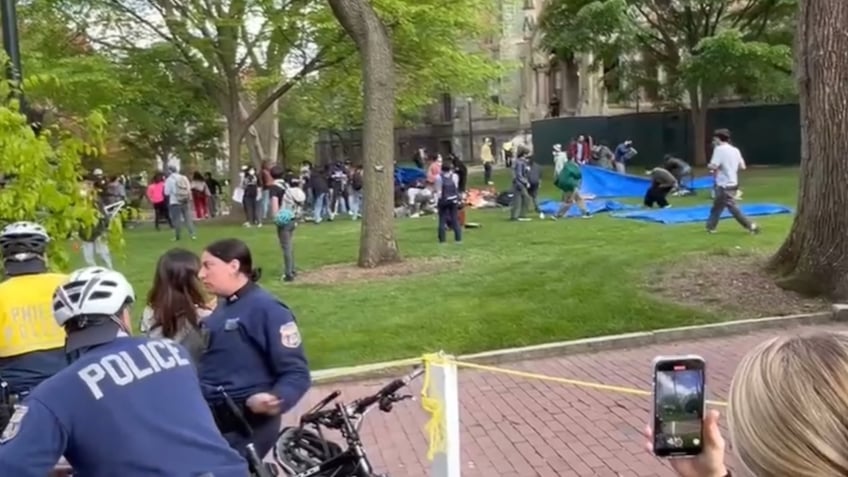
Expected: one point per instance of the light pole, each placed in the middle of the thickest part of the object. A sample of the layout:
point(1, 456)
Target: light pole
point(9, 19)
point(470, 131)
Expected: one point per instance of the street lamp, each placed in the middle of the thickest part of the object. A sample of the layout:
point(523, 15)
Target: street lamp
point(9, 20)
point(11, 43)
point(470, 131)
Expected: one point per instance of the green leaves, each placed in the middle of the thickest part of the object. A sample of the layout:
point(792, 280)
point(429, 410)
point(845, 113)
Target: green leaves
point(712, 46)
point(45, 185)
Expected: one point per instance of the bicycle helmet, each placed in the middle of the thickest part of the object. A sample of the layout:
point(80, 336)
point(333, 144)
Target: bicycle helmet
point(298, 450)
point(22, 240)
point(91, 291)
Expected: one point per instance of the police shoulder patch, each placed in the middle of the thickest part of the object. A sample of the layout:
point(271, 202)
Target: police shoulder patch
point(290, 335)
point(14, 426)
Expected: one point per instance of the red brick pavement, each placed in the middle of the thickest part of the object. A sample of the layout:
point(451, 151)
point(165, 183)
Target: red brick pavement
point(514, 427)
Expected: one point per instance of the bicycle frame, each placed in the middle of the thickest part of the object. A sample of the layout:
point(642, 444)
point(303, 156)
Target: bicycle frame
point(352, 416)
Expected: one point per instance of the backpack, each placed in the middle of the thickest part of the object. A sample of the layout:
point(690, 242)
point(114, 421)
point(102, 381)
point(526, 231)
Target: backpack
point(182, 188)
point(450, 192)
point(568, 177)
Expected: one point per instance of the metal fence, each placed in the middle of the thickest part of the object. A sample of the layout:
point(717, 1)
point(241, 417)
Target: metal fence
point(766, 134)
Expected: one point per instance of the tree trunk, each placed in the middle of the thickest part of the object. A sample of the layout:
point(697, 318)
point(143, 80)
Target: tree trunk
point(814, 258)
point(268, 128)
point(377, 244)
point(234, 154)
point(698, 108)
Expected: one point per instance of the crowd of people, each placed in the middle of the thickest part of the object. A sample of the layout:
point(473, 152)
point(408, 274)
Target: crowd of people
point(74, 382)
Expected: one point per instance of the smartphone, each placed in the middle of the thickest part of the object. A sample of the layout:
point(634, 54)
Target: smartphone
point(679, 400)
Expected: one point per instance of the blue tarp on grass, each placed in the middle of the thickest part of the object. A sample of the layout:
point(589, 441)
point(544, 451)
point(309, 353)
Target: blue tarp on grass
point(594, 206)
point(698, 213)
point(604, 183)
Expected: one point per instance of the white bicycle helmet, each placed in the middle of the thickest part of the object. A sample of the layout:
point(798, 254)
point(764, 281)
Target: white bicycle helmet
point(21, 240)
point(91, 291)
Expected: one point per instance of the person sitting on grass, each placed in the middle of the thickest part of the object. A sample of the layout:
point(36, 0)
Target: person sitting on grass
point(662, 183)
point(568, 181)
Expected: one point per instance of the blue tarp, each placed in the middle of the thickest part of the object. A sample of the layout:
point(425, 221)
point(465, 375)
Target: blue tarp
point(593, 206)
point(407, 175)
point(599, 182)
point(698, 213)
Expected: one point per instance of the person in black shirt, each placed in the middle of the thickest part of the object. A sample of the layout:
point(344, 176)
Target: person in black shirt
point(320, 193)
point(214, 194)
point(356, 182)
point(461, 171)
point(250, 199)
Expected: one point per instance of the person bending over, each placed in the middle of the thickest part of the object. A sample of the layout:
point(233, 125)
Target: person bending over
point(662, 183)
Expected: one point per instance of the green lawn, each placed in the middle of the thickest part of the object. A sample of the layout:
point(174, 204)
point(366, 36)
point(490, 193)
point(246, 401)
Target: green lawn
point(517, 283)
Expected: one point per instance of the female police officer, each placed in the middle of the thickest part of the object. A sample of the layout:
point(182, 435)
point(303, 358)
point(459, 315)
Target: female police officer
point(254, 351)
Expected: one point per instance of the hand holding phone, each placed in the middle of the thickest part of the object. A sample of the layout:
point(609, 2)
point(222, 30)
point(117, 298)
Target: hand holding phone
point(679, 400)
point(710, 462)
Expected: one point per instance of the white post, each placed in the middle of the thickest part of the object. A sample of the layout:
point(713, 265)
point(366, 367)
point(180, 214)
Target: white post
point(445, 387)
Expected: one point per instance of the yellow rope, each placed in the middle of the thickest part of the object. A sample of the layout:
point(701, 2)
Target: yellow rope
point(435, 408)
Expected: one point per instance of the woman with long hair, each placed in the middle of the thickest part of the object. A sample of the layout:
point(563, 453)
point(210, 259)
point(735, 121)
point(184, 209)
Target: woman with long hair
point(176, 302)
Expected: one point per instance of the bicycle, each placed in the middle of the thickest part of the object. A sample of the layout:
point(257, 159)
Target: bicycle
point(303, 452)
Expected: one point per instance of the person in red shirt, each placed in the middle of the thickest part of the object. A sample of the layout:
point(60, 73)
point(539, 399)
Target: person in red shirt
point(580, 149)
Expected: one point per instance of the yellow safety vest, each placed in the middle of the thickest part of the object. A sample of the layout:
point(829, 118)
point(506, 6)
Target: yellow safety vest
point(26, 314)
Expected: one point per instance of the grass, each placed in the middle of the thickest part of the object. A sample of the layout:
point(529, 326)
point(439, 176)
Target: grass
point(517, 283)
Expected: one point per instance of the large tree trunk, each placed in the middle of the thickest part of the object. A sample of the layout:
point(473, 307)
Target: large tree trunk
point(377, 244)
point(814, 258)
point(698, 108)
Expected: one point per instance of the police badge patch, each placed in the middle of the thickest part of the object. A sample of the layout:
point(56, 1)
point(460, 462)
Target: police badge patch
point(14, 425)
point(290, 335)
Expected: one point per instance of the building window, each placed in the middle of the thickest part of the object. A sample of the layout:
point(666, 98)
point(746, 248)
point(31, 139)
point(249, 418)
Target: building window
point(447, 107)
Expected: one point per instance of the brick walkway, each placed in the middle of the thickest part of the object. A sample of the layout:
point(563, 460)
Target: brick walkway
point(512, 427)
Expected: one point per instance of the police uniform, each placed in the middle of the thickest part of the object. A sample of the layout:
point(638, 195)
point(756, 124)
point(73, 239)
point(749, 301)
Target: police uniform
point(254, 346)
point(128, 408)
point(31, 343)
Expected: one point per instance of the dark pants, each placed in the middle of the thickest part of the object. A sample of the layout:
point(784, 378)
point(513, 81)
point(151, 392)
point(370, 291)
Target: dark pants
point(487, 172)
point(286, 236)
point(533, 190)
point(263, 439)
point(251, 208)
point(725, 198)
point(160, 214)
point(449, 218)
point(656, 195)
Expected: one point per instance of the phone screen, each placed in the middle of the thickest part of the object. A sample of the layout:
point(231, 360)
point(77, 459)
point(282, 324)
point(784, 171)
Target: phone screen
point(678, 407)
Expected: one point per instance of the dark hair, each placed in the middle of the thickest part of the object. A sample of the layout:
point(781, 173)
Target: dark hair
point(447, 166)
point(158, 177)
point(197, 176)
point(277, 172)
point(228, 250)
point(176, 292)
point(722, 134)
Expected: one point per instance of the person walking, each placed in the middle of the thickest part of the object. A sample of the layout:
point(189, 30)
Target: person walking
point(726, 163)
point(520, 187)
point(568, 181)
point(447, 185)
point(488, 160)
point(178, 191)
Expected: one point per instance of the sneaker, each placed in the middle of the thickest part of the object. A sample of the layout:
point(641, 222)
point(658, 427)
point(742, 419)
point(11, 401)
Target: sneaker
point(755, 229)
point(288, 278)
point(541, 216)
point(259, 225)
point(524, 219)
point(711, 231)
point(586, 216)
point(554, 217)
point(667, 206)
point(246, 224)
point(194, 237)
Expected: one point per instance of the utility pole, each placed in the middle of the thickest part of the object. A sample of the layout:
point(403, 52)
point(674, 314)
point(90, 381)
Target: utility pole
point(9, 20)
point(12, 46)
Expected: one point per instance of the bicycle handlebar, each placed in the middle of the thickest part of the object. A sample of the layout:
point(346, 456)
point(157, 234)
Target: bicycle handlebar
point(363, 404)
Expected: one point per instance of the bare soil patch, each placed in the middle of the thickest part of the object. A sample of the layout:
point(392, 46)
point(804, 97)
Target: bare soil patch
point(349, 272)
point(736, 284)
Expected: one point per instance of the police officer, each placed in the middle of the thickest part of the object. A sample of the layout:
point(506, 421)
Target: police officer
point(128, 407)
point(254, 351)
point(31, 344)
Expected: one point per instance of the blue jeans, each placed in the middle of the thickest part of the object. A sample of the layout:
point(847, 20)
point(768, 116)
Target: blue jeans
point(356, 203)
point(320, 207)
point(181, 216)
point(264, 205)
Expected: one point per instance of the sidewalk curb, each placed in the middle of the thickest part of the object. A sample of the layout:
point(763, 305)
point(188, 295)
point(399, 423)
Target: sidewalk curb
point(838, 313)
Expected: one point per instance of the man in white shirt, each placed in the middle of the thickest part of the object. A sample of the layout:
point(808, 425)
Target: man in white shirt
point(726, 163)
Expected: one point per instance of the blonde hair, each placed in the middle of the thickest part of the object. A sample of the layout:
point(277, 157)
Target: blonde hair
point(788, 410)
